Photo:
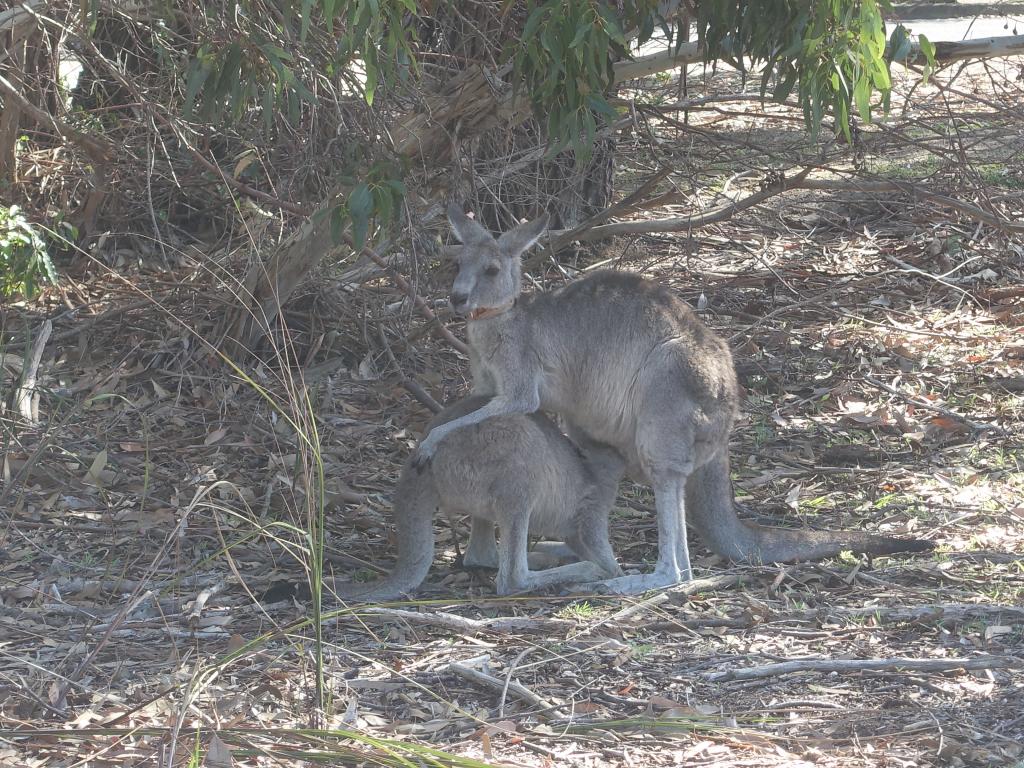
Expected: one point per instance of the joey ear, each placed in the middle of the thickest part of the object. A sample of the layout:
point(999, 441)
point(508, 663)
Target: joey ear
point(516, 241)
point(466, 229)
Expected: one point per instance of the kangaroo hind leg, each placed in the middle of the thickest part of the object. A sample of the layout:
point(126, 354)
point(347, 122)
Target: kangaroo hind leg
point(482, 548)
point(673, 553)
point(514, 574)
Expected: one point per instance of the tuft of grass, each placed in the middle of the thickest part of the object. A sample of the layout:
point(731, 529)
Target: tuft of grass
point(577, 610)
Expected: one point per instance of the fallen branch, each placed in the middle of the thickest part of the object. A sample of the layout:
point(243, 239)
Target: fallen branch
point(692, 53)
point(982, 48)
point(22, 13)
point(916, 190)
point(632, 610)
point(924, 404)
point(684, 223)
point(485, 680)
point(896, 664)
point(644, 66)
point(24, 398)
point(418, 301)
point(410, 385)
point(97, 149)
point(631, 202)
point(710, 584)
point(463, 625)
point(84, 325)
point(194, 615)
point(799, 181)
point(939, 612)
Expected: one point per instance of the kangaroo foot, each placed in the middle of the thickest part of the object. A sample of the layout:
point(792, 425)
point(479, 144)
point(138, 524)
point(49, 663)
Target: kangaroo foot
point(635, 584)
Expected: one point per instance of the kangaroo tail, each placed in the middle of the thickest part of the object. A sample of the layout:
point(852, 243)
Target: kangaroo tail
point(710, 508)
point(415, 503)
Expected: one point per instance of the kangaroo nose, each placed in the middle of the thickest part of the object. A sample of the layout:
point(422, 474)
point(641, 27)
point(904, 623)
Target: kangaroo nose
point(459, 299)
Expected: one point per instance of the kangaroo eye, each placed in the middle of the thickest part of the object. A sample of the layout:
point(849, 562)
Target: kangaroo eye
point(492, 270)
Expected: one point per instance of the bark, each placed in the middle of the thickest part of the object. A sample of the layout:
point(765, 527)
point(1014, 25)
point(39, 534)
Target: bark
point(268, 284)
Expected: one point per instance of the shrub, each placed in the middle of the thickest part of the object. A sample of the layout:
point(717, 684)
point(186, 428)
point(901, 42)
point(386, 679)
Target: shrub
point(24, 260)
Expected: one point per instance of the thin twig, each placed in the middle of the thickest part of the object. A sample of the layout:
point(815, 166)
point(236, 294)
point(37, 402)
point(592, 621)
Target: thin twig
point(418, 301)
point(409, 384)
point(896, 664)
point(59, 700)
point(508, 680)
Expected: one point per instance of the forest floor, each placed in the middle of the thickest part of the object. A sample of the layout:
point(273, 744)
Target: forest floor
point(152, 562)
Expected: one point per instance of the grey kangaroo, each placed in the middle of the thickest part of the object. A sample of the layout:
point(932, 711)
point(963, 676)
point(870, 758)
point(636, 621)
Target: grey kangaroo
point(629, 364)
point(520, 472)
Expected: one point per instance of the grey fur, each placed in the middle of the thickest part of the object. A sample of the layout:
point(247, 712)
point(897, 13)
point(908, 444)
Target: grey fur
point(629, 364)
point(517, 471)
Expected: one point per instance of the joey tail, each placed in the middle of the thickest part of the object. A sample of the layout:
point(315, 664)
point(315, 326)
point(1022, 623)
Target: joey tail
point(415, 503)
point(710, 508)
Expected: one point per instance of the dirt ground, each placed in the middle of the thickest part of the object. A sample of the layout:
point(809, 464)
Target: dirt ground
point(152, 554)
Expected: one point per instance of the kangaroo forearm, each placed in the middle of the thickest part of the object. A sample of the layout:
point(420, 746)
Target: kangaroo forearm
point(498, 406)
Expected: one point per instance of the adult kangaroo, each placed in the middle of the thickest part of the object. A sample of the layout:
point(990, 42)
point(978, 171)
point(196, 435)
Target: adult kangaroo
point(627, 362)
point(518, 471)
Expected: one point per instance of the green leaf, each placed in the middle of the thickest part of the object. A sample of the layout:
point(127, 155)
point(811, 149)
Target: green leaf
point(360, 205)
point(370, 61)
point(328, 7)
point(581, 32)
point(197, 76)
point(598, 103)
point(382, 204)
point(533, 22)
point(229, 72)
point(928, 49)
point(611, 24)
point(899, 44)
point(307, 9)
point(785, 86)
point(268, 110)
point(339, 218)
point(862, 97)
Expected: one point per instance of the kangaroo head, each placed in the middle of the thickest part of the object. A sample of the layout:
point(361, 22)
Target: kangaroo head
point(489, 278)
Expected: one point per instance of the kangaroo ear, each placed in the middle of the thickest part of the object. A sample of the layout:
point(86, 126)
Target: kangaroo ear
point(465, 228)
point(516, 241)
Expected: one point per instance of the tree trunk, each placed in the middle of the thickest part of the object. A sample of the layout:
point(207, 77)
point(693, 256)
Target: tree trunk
point(22, 36)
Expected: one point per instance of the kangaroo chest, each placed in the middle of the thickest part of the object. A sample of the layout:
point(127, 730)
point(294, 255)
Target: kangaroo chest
point(578, 384)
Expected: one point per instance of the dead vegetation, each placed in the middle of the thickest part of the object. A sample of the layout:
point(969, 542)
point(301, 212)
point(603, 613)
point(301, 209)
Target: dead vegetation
point(153, 521)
